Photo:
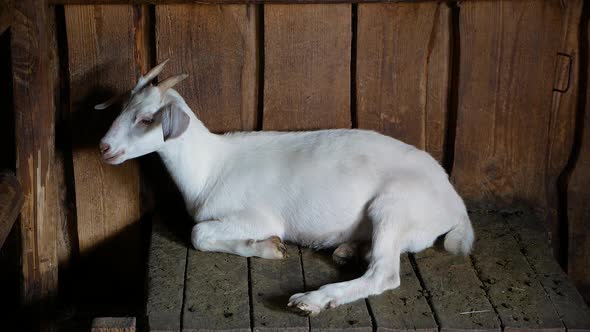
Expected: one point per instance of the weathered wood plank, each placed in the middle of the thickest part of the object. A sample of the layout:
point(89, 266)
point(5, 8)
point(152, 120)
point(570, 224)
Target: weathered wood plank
point(564, 109)
point(456, 293)
point(216, 46)
point(165, 277)
point(216, 293)
point(508, 55)
point(273, 282)
point(113, 324)
point(220, 2)
point(307, 67)
point(11, 202)
point(35, 132)
point(405, 308)
point(534, 244)
point(101, 53)
point(511, 284)
point(578, 196)
point(402, 73)
point(5, 15)
point(319, 270)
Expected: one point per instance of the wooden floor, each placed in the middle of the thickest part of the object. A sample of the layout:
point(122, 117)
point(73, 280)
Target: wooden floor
point(510, 282)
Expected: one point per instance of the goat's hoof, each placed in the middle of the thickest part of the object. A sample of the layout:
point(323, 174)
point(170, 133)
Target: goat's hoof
point(306, 304)
point(345, 253)
point(280, 246)
point(272, 248)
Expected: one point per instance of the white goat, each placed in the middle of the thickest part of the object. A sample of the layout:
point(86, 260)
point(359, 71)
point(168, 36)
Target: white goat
point(248, 191)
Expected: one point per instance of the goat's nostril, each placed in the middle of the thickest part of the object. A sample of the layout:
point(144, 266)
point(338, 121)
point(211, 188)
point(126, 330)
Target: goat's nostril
point(104, 147)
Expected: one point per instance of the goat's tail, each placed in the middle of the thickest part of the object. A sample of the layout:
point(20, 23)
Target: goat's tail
point(459, 239)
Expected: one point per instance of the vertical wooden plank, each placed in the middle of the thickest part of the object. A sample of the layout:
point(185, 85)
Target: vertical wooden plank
point(578, 196)
point(563, 114)
point(216, 46)
point(34, 129)
point(273, 282)
point(307, 66)
point(403, 66)
point(216, 293)
point(534, 244)
point(508, 54)
point(319, 270)
point(456, 293)
point(102, 55)
point(405, 308)
point(511, 284)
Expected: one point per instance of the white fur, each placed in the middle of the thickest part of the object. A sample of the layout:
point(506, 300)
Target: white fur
point(317, 189)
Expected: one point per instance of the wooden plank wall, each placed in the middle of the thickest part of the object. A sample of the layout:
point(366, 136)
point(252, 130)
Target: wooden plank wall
point(387, 67)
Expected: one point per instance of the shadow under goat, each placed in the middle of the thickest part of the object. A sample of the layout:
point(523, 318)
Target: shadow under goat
point(249, 191)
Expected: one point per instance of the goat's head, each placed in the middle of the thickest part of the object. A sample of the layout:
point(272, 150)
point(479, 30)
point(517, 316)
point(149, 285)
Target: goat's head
point(147, 121)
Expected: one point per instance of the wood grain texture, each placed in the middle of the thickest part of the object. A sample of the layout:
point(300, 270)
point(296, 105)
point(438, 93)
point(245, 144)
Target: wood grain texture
point(101, 53)
point(402, 73)
point(35, 132)
point(11, 202)
point(113, 324)
point(510, 282)
point(508, 56)
point(307, 67)
point(216, 293)
point(216, 46)
point(564, 108)
point(219, 2)
point(5, 15)
point(578, 196)
point(165, 278)
point(535, 246)
point(273, 282)
point(405, 308)
point(455, 290)
point(319, 270)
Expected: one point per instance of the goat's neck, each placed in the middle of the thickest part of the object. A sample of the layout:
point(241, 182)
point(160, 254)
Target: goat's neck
point(191, 158)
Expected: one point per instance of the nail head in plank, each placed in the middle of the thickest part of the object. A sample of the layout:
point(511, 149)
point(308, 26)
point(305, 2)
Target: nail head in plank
point(273, 282)
point(404, 308)
point(456, 293)
point(216, 293)
point(113, 324)
point(533, 241)
point(511, 284)
point(319, 270)
point(165, 280)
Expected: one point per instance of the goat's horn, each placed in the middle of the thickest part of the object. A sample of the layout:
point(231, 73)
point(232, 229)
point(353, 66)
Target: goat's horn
point(170, 82)
point(154, 71)
point(109, 102)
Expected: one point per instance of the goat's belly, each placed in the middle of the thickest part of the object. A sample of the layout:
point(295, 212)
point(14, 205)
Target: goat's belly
point(329, 231)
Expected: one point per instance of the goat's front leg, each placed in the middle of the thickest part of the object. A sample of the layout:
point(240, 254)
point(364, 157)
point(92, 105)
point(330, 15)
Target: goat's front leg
point(244, 234)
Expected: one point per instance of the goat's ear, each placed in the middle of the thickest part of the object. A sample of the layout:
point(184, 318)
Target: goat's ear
point(174, 121)
point(170, 82)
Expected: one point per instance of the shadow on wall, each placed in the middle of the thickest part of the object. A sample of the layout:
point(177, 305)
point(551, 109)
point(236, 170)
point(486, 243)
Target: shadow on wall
point(109, 279)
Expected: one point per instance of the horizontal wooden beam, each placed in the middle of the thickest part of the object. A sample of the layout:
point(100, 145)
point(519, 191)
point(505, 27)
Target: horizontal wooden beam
point(215, 2)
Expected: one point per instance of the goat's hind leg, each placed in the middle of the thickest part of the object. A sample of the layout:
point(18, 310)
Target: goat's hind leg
point(244, 235)
point(382, 273)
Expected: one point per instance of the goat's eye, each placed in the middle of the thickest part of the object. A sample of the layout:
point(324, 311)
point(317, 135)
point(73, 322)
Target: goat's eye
point(147, 122)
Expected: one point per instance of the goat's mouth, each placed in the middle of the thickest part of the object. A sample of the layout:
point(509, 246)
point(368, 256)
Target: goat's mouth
point(111, 157)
